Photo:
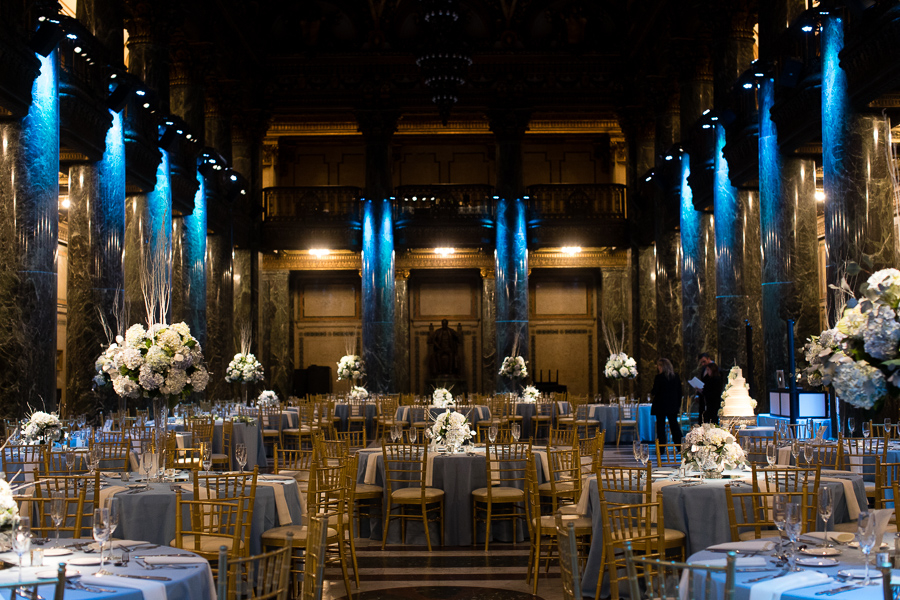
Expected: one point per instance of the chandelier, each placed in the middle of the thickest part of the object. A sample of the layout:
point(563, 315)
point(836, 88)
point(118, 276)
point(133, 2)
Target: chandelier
point(444, 61)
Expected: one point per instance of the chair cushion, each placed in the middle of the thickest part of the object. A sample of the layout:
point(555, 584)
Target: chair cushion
point(272, 432)
point(500, 493)
point(627, 422)
point(414, 493)
point(208, 543)
point(569, 509)
point(298, 475)
point(278, 535)
point(219, 457)
point(561, 486)
point(582, 524)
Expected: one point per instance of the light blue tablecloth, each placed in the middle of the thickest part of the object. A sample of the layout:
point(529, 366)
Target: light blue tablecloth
point(371, 411)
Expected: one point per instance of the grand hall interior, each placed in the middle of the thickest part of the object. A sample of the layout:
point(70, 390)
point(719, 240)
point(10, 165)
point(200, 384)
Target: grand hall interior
point(449, 299)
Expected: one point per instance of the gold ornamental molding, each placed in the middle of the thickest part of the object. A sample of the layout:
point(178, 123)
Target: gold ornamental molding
point(555, 258)
point(302, 260)
point(427, 258)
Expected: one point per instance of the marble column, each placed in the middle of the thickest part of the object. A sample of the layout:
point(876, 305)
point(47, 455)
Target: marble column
point(738, 272)
point(378, 296)
point(615, 310)
point(179, 310)
point(148, 49)
point(790, 281)
point(489, 362)
point(275, 330)
point(219, 306)
point(401, 331)
point(647, 327)
point(218, 126)
point(29, 240)
point(136, 219)
point(193, 256)
point(158, 232)
point(95, 278)
point(243, 297)
point(856, 160)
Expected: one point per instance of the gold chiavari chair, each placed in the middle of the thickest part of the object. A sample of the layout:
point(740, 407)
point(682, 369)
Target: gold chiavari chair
point(261, 577)
point(404, 475)
point(77, 506)
point(668, 455)
point(626, 523)
point(750, 514)
point(627, 420)
point(503, 497)
point(755, 448)
point(567, 545)
point(314, 557)
point(657, 573)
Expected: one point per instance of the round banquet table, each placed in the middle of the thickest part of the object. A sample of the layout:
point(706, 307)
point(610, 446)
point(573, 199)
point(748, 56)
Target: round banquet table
point(242, 433)
point(342, 411)
point(458, 475)
point(849, 558)
point(150, 515)
point(608, 415)
point(193, 583)
point(411, 414)
point(699, 511)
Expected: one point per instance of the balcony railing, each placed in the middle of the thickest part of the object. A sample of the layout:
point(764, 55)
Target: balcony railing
point(329, 203)
point(443, 201)
point(583, 201)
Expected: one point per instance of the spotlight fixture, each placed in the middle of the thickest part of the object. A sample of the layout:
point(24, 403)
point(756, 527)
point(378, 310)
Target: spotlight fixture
point(118, 95)
point(571, 250)
point(319, 252)
point(444, 252)
point(820, 195)
point(806, 28)
point(47, 38)
point(65, 203)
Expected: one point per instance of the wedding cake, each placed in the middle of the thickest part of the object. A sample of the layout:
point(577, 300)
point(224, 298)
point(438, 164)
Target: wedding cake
point(736, 397)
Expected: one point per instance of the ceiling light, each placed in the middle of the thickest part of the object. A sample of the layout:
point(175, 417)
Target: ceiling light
point(820, 195)
point(806, 28)
point(445, 252)
point(65, 202)
point(571, 250)
point(319, 252)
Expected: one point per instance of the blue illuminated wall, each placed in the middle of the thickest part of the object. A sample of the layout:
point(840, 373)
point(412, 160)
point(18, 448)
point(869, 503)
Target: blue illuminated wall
point(691, 267)
point(512, 284)
point(109, 250)
point(158, 234)
point(378, 294)
point(193, 256)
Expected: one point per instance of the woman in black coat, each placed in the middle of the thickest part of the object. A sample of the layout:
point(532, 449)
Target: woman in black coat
point(666, 401)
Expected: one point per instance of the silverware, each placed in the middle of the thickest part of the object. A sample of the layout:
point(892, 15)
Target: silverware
point(129, 576)
point(781, 573)
point(77, 585)
point(838, 590)
point(154, 555)
point(755, 569)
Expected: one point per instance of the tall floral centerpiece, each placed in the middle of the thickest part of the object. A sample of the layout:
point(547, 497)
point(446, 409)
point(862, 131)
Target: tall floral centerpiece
point(711, 450)
point(40, 428)
point(9, 515)
point(514, 367)
point(442, 398)
point(860, 355)
point(619, 366)
point(530, 394)
point(351, 368)
point(244, 369)
point(358, 393)
point(267, 399)
point(451, 429)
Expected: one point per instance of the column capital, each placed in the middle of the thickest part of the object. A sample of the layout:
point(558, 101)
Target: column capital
point(377, 124)
point(509, 124)
point(147, 21)
point(401, 274)
point(486, 273)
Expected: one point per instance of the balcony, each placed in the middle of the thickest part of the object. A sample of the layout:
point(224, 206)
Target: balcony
point(444, 214)
point(577, 214)
point(299, 218)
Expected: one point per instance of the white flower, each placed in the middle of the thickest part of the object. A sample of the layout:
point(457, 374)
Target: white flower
point(267, 399)
point(442, 398)
point(530, 394)
point(359, 393)
point(135, 336)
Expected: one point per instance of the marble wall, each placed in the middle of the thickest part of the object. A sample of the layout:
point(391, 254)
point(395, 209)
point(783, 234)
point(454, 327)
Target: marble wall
point(615, 304)
point(647, 338)
point(489, 362)
point(243, 297)
point(275, 330)
point(193, 256)
point(511, 274)
point(378, 295)
point(219, 348)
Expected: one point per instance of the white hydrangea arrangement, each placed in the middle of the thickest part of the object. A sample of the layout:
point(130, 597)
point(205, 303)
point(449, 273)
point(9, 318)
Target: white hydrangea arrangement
point(860, 356)
point(706, 445)
point(514, 367)
point(733, 374)
point(161, 361)
point(351, 367)
point(244, 368)
point(620, 366)
point(530, 394)
point(41, 427)
point(9, 510)
point(451, 429)
point(267, 399)
point(358, 393)
point(442, 398)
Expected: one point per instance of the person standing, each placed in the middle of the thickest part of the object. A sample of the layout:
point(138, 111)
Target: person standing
point(666, 403)
point(711, 394)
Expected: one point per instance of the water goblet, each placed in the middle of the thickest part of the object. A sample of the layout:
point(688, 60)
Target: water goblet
point(240, 455)
point(770, 454)
point(114, 506)
point(645, 454)
point(100, 527)
point(413, 435)
point(867, 429)
point(636, 450)
point(70, 460)
point(22, 540)
point(492, 433)
point(795, 451)
point(57, 512)
point(516, 430)
point(779, 502)
point(826, 507)
point(206, 456)
point(792, 521)
point(147, 460)
point(865, 535)
point(808, 449)
point(851, 425)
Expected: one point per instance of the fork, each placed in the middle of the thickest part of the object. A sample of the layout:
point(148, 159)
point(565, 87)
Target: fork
point(150, 567)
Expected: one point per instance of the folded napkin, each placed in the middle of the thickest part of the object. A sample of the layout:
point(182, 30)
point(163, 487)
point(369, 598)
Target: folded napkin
point(109, 492)
point(834, 536)
point(152, 590)
point(771, 589)
point(174, 560)
point(371, 468)
point(882, 520)
point(748, 546)
point(545, 463)
point(849, 494)
point(281, 505)
point(742, 561)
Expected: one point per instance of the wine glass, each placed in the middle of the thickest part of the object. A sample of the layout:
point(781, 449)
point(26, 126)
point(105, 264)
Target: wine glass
point(492, 433)
point(147, 460)
point(851, 425)
point(206, 456)
point(808, 452)
point(413, 434)
point(114, 506)
point(70, 460)
point(22, 540)
point(57, 512)
point(792, 521)
point(867, 429)
point(516, 431)
point(645, 454)
point(779, 502)
point(240, 455)
point(770, 454)
point(887, 428)
point(795, 451)
point(94, 457)
point(826, 507)
point(101, 529)
point(865, 535)
point(636, 450)
point(429, 434)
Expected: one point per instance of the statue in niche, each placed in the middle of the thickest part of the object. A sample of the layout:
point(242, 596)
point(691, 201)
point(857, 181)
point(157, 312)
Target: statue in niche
point(445, 345)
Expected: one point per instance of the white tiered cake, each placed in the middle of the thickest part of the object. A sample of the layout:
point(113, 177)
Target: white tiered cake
point(737, 400)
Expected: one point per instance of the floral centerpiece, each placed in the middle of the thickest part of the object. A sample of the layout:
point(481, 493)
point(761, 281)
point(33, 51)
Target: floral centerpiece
point(452, 430)
point(530, 394)
point(267, 399)
point(710, 448)
point(358, 393)
point(860, 355)
point(243, 419)
point(9, 510)
point(514, 367)
point(351, 367)
point(244, 368)
point(620, 366)
point(442, 398)
point(163, 361)
point(41, 428)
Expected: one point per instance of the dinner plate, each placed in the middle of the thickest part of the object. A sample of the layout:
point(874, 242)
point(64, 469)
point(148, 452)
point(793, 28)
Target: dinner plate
point(860, 573)
point(821, 551)
point(817, 562)
point(135, 486)
point(660, 475)
point(57, 552)
point(52, 574)
point(83, 561)
point(855, 544)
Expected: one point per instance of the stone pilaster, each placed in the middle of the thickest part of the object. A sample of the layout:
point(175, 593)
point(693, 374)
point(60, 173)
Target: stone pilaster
point(148, 50)
point(275, 346)
point(489, 361)
point(219, 306)
point(615, 311)
point(647, 334)
point(401, 331)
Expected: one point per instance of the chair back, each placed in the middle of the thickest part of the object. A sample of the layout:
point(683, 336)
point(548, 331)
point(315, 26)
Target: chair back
point(355, 439)
point(565, 476)
point(800, 484)
point(750, 512)
point(634, 482)
point(668, 455)
point(861, 454)
point(78, 508)
point(658, 575)
point(261, 577)
point(21, 461)
point(561, 437)
point(404, 466)
point(506, 464)
point(624, 523)
point(297, 462)
point(114, 455)
point(591, 452)
point(55, 462)
point(825, 455)
point(314, 559)
point(568, 558)
point(755, 447)
point(886, 475)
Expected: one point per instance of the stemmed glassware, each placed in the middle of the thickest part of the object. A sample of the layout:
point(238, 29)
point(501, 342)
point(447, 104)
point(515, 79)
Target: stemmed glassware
point(867, 429)
point(101, 529)
point(492, 433)
point(430, 436)
point(793, 518)
point(70, 460)
point(865, 535)
point(779, 504)
point(644, 454)
point(22, 540)
point(240, 455)
point(826, 507)
point(413, 434)
point(887, 428)
point(94, 457)
point(147, 460)
point(57, 512)
point(771, 454)
point(114, 506)
point(795, 452)
point(206, 456)
point(851, 425)
point(808, 452)
point(636, 450)
point(516, 431)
